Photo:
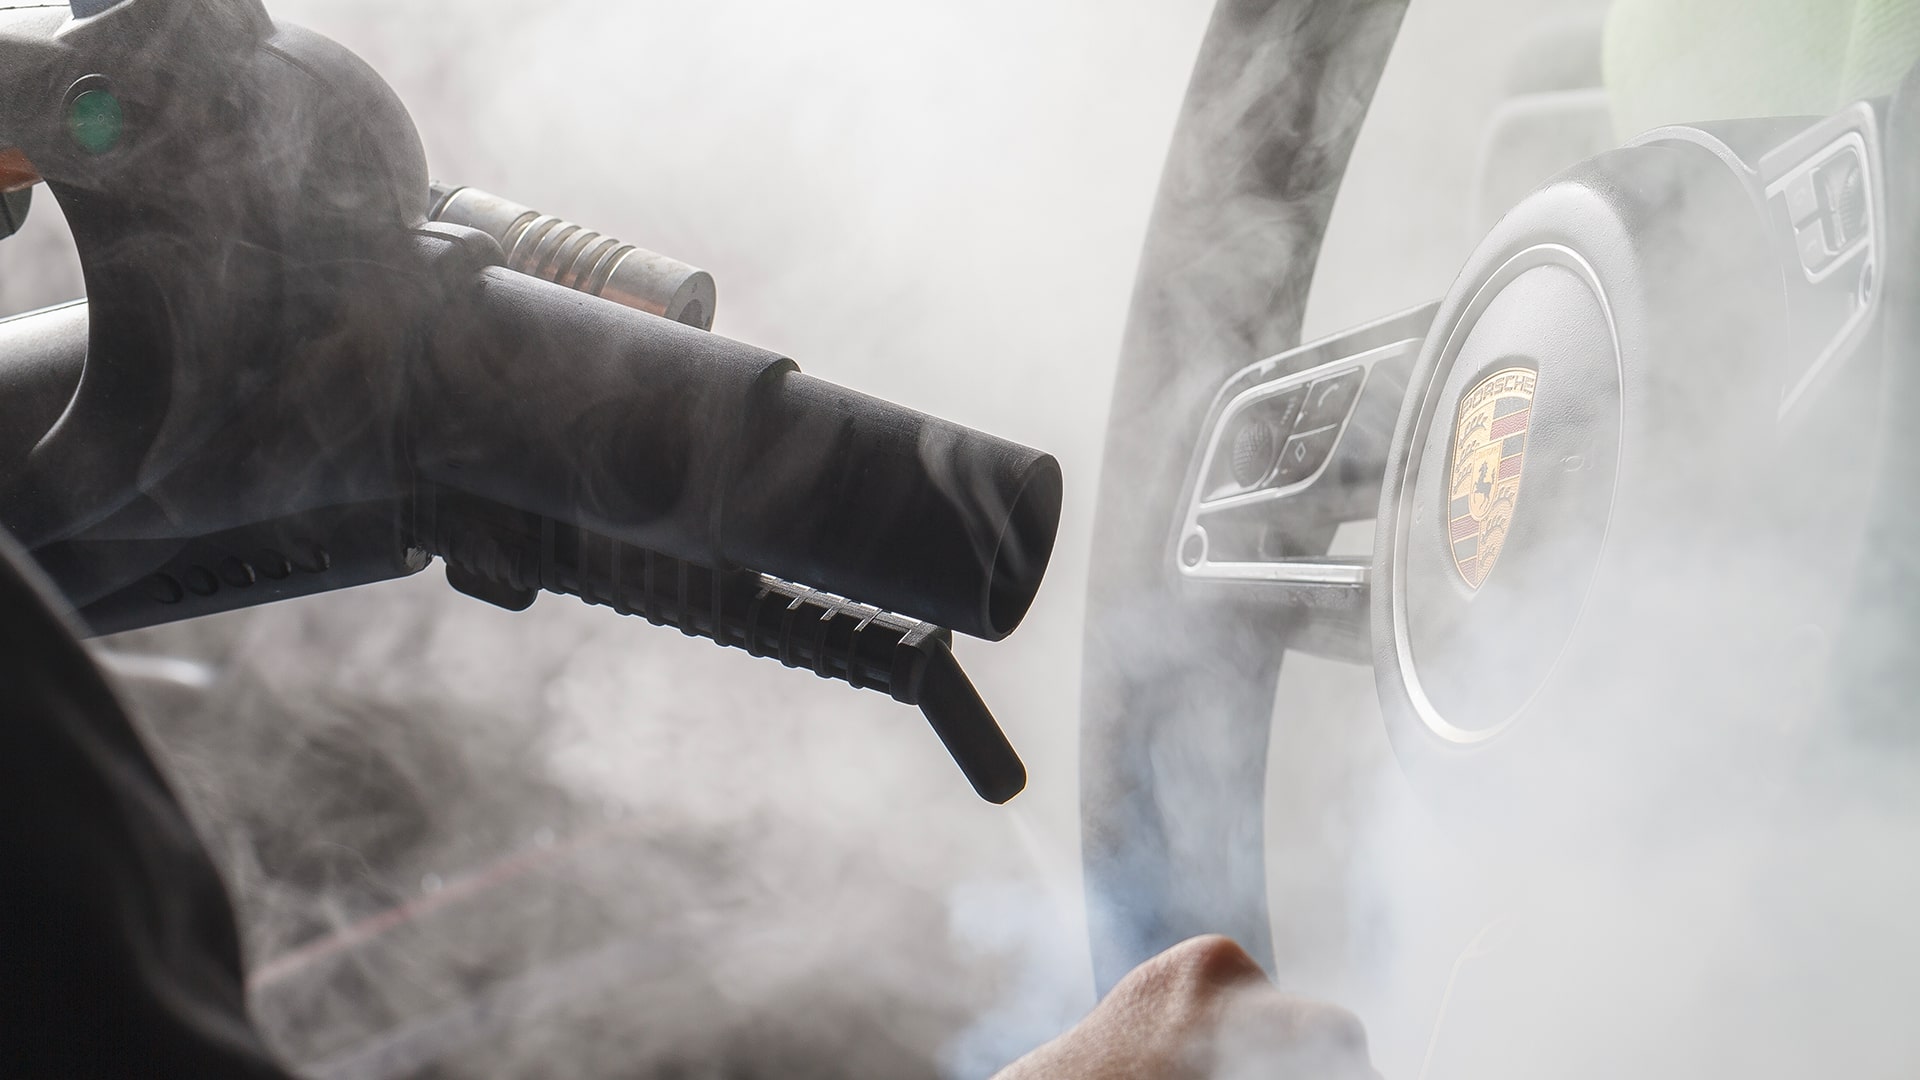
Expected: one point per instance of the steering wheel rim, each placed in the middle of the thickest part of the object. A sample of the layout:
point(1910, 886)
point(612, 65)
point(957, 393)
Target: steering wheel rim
point(1173, 759)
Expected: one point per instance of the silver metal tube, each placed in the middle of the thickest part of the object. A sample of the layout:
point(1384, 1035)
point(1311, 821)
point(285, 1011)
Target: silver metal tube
point(566, 254)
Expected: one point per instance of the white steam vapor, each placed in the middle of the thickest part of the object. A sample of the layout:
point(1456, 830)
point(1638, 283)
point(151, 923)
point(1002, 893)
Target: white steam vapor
point(1741, 907)
point(939, 204)
point(647, 856)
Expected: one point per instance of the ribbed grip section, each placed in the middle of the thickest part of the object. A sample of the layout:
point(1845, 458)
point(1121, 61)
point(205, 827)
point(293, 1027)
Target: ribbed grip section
point(505, 556)
point(563, 253)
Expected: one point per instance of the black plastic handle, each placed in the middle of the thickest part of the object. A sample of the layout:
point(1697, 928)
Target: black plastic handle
point(706, 449)
point(507, 556)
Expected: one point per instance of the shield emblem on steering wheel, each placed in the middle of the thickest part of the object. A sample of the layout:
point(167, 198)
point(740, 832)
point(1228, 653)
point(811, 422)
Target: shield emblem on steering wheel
point(1489, 451)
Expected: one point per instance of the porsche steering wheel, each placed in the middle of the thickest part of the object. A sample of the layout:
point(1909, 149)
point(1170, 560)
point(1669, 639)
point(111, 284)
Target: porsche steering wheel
point(1636, 479)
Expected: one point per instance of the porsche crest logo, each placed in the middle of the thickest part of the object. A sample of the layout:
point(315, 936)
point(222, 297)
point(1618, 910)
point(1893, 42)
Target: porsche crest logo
point(1489, 449)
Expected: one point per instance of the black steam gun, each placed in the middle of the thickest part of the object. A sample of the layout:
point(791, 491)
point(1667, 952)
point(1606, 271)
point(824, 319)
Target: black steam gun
point(303, 367)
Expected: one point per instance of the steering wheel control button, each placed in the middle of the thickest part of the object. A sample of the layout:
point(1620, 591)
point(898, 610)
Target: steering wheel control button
point(1249, 444)
point(1193, 549)
point(1254, 451)
point(1282, 411)
point(1843, 184)
point(1329, 399)
point(1828, 202)
point(1304, 454)
point(1814, 251)
point(1803, 200)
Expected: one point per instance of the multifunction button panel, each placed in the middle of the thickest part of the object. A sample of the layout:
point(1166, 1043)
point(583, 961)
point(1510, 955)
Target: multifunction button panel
point(1281, 435)
point(1294, 446)
point(1825, 194)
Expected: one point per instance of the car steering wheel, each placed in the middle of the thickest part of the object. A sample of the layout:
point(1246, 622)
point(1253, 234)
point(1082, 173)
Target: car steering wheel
point(1635, 479)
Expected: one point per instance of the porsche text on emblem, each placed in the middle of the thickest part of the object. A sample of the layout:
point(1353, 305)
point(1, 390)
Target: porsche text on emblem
point(1489, 448)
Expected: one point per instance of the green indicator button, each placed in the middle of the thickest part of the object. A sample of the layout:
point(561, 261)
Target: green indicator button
point(95, 121)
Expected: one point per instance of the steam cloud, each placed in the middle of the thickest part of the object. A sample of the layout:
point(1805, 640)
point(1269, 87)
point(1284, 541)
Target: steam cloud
point(741, 871)
point(647, 856)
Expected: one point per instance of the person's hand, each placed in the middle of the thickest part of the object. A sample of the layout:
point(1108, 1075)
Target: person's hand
point(1202, 1010)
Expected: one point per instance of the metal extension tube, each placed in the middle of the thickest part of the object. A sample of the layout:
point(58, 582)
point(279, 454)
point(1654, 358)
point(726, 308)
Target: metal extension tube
point(566, 254)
